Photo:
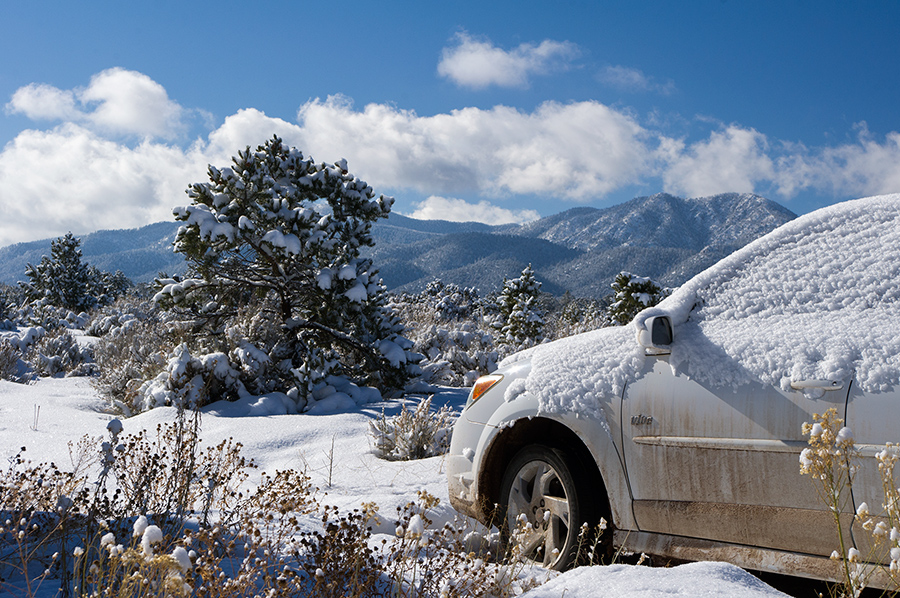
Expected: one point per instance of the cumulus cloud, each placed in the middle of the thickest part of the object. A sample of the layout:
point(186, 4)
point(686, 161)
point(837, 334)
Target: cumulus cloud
point(867, 167)
point(478, 63)
point(459, 210)
point(742, 159)
point(70, 179)
point(44, 102)
point(576, 151)
point(115, 102)
point(732, 160)
point(633, 80)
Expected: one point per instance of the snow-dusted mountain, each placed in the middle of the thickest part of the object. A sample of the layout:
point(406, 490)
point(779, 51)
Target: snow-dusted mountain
point(662, 236)
point(580, 250)
point(662, 220)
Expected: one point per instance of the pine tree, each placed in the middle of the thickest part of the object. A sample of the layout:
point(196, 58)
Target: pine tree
point(279, 228)
point(632, 295)
point(61, 279)
point(521, 321)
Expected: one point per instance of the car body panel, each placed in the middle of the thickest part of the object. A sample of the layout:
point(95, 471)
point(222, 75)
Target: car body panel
point(871, 432)
point(721, 463)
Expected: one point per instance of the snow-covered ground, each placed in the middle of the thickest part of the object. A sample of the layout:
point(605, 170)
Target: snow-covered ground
point(336, 451)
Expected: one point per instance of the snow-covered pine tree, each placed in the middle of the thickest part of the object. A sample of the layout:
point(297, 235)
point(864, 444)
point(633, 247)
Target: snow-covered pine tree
point(633, 294)
point(521, 321)
point(62, 279)
point(278, 227)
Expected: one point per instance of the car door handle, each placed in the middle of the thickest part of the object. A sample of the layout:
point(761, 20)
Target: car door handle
point(817, 384)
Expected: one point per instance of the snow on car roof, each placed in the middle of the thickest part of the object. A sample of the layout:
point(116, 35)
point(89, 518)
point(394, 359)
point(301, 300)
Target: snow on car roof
point(817, 298)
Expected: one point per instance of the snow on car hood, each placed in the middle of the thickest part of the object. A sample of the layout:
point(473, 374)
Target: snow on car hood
point(817, 298)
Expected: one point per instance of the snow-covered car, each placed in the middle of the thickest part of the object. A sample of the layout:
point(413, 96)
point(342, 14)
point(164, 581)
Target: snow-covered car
point(684, 428)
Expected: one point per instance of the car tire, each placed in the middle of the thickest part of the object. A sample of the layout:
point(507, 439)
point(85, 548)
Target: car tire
point(544, 501)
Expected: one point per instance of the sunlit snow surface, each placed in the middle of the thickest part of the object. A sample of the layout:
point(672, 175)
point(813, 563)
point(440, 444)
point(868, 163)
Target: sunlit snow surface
point(694, 580)
point(818, 298)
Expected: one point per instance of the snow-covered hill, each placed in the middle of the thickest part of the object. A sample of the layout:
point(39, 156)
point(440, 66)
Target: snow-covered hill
point(580, 250)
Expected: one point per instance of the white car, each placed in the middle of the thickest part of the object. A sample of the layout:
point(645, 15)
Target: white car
point(684, 428)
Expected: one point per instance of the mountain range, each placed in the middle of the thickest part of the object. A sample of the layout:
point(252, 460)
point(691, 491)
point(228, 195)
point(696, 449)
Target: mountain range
point(580, 250)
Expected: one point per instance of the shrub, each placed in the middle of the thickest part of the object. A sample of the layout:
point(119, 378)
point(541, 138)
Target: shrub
point(456, 356)
point(159, 516)
point(57, 353)
point(188, 381)
point(62, 280)
point(567, 316)
point(9, 361)
point(831, 459)
point(415, 434)
point(135, 343)
point(450, 330)
point(521, 321)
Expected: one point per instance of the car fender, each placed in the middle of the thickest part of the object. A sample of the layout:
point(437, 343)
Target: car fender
point(594, 435)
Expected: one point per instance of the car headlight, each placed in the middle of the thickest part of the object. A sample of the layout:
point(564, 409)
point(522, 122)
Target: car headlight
point(482, 385)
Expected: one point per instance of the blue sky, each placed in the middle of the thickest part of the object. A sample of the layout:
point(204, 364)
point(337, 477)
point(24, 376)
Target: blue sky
point(490, 111)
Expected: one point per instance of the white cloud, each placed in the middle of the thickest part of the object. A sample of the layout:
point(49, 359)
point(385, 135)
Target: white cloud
point(70, 179)
point(633, 80)
point(577, 151)
point(459, 210)
point(479, 64)
point(43, 102)
point(116, 102)
point(863, 168)
point(733, 160)
point(744, 160)
point(82, 175)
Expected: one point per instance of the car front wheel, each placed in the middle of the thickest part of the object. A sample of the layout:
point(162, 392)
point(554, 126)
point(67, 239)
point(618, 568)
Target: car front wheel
point(542, 506)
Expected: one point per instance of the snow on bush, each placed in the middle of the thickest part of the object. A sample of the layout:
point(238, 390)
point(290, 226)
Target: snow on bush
point(568, 316)
point(63, 280)
point(413, 434)
point(632, 295)
point(57, 353)
point(456, 356)
point(451, 330)
point(124, 312)
point(9, 360)
point(7, 307)
point(189, 381)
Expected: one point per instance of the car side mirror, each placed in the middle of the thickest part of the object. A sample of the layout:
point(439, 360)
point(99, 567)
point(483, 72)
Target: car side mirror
point(656, 335)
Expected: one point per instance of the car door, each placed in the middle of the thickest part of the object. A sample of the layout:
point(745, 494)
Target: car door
point(874, 419)
point(720, 462)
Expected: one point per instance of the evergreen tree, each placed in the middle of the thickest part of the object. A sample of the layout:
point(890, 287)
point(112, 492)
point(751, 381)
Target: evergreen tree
point(632, 295)
point(61, 279)
point(521, 321)
point(280, 228)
